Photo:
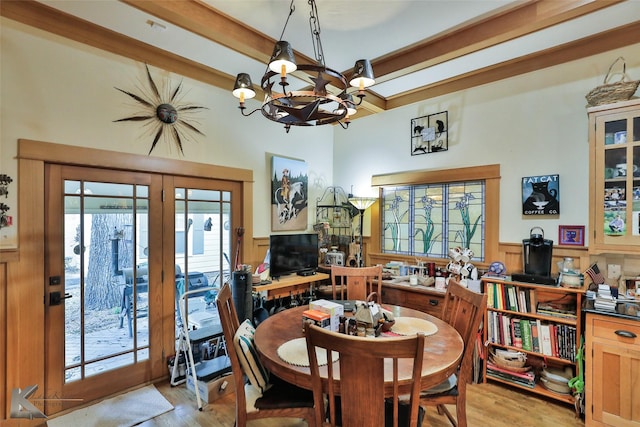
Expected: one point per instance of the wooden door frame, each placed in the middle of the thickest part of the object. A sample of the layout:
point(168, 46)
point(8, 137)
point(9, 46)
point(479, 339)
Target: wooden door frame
point(25, 337)
point(94, 386)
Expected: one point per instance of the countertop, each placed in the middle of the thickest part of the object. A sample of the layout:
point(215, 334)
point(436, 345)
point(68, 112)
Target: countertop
point(620, 308)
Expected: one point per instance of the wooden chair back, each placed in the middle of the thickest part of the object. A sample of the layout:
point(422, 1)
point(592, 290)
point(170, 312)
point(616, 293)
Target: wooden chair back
point(361, 376)
point(464, 310)
point(230, 324)
point(360, 282)
point(279, 403)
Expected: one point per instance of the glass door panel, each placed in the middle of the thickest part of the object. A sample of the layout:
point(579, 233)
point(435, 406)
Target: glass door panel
point(615, 204)
point(106, 277)
point(203, 250)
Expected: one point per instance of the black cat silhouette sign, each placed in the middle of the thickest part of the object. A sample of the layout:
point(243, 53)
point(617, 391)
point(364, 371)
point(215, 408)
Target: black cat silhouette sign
point(541, 195)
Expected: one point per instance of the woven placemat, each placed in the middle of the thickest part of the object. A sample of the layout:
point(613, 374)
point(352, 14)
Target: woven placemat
point(413, 325)
point(294, 352)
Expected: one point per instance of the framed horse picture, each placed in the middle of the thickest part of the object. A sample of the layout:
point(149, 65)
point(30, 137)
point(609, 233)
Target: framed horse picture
point(289, 202)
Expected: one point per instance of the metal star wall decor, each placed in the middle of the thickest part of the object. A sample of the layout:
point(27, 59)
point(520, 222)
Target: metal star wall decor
point(169, 117)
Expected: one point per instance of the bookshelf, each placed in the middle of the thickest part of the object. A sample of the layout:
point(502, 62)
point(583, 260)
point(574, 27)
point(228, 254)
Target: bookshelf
point(544, 322)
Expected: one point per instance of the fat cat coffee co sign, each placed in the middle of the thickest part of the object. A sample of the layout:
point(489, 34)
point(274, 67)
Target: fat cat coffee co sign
point(541, 195)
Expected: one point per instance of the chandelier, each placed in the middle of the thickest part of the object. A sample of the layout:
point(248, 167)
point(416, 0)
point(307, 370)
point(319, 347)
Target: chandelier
point(324, 101)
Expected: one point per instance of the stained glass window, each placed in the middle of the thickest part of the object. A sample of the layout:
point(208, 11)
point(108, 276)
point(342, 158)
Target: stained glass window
point(427, 220)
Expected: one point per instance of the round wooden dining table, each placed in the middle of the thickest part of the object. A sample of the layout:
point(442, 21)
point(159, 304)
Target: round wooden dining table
point(442, 351)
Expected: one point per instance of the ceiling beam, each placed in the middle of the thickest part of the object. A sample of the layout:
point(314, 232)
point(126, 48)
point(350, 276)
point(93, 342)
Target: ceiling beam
point(588, 46)
point(484, 32)
point(196, 16)
point(49, 19)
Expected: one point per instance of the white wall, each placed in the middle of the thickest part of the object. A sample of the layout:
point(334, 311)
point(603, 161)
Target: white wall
point(533, 124)
point(60, 91)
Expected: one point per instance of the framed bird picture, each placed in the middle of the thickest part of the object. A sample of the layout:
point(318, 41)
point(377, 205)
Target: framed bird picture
point(430, 133)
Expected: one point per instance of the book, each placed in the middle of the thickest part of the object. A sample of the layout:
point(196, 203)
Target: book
point(545, 337)
point(510, 378)
point(534, 301)
point(528, 376)
point(490, 295)
point(527, 298)
point(489, 326)
point(525, 327)
point(495, 327)
point(500, 296)
point(513, 298)
point(522, 303)
point(553, 335)
point(535, 340)
point(506, 334)
point(516, 335)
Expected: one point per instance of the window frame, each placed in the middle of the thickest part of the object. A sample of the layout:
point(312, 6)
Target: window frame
point(490, 174)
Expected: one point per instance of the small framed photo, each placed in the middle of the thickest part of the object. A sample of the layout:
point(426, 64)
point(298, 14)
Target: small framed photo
point(571, 235)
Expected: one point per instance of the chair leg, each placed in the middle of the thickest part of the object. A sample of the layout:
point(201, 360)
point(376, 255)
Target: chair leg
point(461, 414)
point(443, 410)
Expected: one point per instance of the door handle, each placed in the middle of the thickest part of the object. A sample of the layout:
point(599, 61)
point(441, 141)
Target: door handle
point(55, 298)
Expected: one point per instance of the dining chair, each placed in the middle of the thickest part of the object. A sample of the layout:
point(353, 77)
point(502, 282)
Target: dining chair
point(360, 282)
point(361, 377)
point(277, 398)
point(463, 309)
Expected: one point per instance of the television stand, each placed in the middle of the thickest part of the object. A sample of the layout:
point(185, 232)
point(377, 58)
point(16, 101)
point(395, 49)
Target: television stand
point(290, 284)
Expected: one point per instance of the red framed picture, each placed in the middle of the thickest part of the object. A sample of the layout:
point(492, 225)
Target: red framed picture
point(571, 235)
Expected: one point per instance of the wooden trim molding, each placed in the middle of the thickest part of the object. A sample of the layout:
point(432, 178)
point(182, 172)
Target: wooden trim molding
point(9, 255)
point(83, 156)
point(436, 175)
point(3, 340)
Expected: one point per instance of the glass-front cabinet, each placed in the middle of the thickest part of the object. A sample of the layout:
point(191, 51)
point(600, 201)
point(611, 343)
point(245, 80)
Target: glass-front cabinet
point(614, 136)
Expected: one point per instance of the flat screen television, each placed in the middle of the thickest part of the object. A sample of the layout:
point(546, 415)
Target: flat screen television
point(292, 253)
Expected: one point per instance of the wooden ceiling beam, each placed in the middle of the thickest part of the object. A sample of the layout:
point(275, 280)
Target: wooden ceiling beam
point(484, 32)
point(202, 19)
point(49, 19)
point(196, 16)
point(587, 46)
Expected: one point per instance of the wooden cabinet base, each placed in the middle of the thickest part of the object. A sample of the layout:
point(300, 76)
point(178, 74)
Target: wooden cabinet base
point(612, 381)
point(421, 298)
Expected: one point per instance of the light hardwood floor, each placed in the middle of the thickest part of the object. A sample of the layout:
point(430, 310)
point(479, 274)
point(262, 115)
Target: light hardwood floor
point(487, 405)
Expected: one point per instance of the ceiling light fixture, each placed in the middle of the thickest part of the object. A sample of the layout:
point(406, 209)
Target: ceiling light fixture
point(326, 101)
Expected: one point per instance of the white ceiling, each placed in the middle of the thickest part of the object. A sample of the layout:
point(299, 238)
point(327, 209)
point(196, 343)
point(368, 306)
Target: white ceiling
point(355, 29)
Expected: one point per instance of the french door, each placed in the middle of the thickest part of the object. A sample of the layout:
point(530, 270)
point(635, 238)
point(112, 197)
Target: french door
point(102, 229)
point(120, 247)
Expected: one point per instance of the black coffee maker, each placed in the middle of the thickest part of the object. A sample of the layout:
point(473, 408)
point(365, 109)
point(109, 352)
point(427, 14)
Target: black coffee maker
point(536, 259)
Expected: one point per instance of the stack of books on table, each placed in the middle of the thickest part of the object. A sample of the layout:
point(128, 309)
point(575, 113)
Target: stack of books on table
point(604, 300)
point(525, 379)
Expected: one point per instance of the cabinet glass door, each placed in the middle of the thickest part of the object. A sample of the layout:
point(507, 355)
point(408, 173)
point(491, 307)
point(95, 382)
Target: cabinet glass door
point(619, 220)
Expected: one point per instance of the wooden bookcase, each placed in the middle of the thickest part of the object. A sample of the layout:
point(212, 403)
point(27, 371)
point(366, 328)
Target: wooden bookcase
point(523, 303)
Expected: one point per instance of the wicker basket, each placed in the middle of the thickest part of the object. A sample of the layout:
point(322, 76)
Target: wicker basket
point(613, 92)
